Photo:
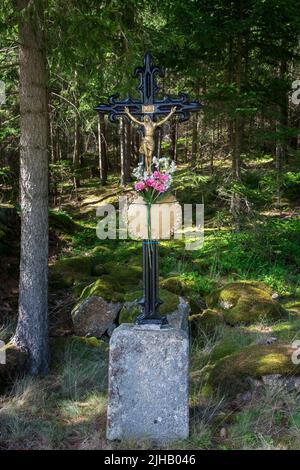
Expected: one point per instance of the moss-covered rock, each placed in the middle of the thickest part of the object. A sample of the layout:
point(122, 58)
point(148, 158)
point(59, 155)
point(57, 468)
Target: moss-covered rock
point(231, 374)
point(14, 364)
point(94, 316)
point(246, 302)
point(63, 223)
point(104, 287)
point(206, 322)
point(187, 288)
point(122, 273)
point(65, 272)
point(177, 285)
point(285, 331)
point(131, 307)
point(233, 340)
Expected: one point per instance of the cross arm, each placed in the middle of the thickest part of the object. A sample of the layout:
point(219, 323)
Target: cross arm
point(183, 106)
point(116, 108)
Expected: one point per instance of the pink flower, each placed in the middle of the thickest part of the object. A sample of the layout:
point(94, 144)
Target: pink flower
point(159, 187)
point(164, 178)
point(150, 182)
point(139, 186)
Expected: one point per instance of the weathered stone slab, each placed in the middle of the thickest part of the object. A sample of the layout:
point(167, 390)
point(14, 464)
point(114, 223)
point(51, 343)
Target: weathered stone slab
point(93, 316)
point(148, 384)
point(180, 317)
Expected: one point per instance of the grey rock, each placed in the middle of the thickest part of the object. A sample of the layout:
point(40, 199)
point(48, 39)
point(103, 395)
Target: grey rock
point(272, 380)
point(267, 340)
point(94, 316)
point(148, 384)
point(275, 381)
point(180, 317)
point(111, 328)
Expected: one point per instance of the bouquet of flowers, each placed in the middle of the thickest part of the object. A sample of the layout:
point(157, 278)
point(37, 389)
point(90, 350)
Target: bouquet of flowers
point(154, 186)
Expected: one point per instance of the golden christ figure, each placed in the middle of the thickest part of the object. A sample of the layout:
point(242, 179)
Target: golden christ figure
point(147, 144)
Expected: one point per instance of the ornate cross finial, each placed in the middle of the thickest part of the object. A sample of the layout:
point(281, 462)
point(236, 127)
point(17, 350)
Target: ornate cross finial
point(148, 86)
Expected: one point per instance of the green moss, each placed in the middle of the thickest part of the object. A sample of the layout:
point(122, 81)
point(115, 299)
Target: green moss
point(287, 331)
point(68, 270)
point(129, 312)
point(63, 223)
point(246, 302)
point(131, 308)
point(103, 287)
point(122, 273)
point(234, 340)
point(206, 322)
point(178, 285)
point(230, 374)
point(292, 304)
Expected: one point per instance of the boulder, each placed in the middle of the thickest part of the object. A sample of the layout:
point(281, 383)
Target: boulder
point(206, 322)
point(104, 287)
point(177, 285)
point(14, 361)
point(188, 288)
point(65, 272)
point(233, 373)
point(93, 316)
point(179, 318)
point(63, 223)
point(246, 302)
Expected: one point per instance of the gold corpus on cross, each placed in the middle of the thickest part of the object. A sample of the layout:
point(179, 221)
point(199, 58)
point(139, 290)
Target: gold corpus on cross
point(147, 144)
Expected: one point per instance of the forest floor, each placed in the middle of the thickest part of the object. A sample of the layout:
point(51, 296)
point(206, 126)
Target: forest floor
point(67, 408)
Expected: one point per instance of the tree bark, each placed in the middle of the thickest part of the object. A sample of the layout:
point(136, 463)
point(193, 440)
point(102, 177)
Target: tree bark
point(127, 146)
point(281, 125)
point(195, 129)
point(32, 327)
point(102, 150)
point(122, 150)
point(77, 152)
point(173, 149)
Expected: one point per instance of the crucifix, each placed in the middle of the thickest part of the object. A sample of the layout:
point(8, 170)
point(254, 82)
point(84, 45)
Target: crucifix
point(149, 108)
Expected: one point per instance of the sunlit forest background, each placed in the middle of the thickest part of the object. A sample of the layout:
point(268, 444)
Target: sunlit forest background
point(239, 156)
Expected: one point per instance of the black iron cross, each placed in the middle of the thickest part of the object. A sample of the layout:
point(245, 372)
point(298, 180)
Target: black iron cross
point(148, 104)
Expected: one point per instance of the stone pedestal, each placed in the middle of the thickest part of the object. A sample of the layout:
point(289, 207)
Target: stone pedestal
point(148, 384)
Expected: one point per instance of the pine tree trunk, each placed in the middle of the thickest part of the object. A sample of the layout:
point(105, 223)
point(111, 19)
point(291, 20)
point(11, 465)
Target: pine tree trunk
point(127, 147)
point(102, 150)
point(174, 129)
point(76, 153)
point(195, 130)
point(159, 134)
point(281, 124)
point(122, 151)
point(238, 131)
point(32, 328)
